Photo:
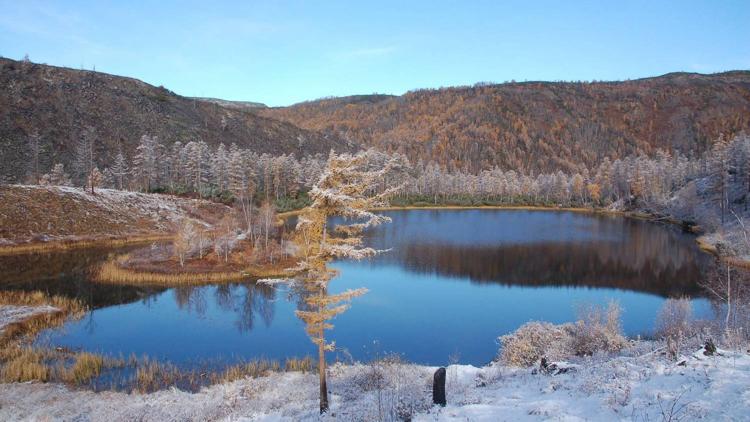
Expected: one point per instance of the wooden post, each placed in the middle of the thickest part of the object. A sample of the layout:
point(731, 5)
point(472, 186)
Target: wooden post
point(438, 387)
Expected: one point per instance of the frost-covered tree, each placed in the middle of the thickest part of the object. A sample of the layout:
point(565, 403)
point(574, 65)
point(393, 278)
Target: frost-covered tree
point(219, 163)
point(719, 166)
point(241, 182)
point(95, 179)
point(343, 190)
point(83, 163)
point(146, 162)
point(57, 177)
point(185, 240)
point(225, 237)
point(34, 145)
point(120, 170)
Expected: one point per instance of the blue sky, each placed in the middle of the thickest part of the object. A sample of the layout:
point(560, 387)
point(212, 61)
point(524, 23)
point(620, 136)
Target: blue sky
point(282, 52)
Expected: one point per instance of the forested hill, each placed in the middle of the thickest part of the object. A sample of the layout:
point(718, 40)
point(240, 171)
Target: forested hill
point(61, 103)
point(538, 126)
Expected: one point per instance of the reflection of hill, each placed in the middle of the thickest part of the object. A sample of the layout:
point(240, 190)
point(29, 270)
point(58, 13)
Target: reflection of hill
point(648, 267)
point(67, 274)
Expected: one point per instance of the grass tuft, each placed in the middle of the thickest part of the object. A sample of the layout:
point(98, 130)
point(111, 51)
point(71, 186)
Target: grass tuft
point(25, 365)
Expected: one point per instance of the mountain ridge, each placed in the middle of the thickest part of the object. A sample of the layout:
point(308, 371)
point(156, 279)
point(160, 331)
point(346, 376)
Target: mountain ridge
point(61, 103)
point(539, 126)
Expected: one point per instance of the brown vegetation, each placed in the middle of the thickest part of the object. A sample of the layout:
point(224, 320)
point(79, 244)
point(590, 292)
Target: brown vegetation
point(66, 308)
point(115, 272)
point(538, 126)
point(31, 215)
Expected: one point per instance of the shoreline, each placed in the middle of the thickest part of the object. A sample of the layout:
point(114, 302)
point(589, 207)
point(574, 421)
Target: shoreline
point(68, 244)
point(601, 388)
point(64, 244)
point(113, 273)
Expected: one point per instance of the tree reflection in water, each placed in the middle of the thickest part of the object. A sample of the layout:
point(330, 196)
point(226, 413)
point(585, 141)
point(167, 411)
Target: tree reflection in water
point(574, 251)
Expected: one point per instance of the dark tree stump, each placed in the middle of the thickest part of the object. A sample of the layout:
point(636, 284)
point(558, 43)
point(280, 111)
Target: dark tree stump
point(438, 387)
point(710, 348)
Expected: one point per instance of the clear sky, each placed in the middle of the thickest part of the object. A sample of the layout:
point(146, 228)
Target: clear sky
point(282, 52)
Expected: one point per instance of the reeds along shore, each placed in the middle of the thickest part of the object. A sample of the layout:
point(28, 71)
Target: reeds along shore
point(62, 245)
point(112, 272)
point(65, 308)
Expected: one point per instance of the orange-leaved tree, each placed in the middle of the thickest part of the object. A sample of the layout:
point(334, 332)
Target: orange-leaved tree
point(346, 190)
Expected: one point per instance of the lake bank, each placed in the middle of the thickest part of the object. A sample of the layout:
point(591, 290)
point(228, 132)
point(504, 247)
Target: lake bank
point(643, 384)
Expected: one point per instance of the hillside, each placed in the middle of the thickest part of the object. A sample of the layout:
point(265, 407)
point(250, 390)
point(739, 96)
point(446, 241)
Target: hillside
point(538, 126)
point(45, 213)
point(60, 103)
point(237, 105)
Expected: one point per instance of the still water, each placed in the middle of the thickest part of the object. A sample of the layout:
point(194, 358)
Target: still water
point(452, 282)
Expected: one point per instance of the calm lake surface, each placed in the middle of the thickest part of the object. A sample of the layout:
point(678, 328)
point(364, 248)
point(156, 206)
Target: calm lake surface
point(453, 282)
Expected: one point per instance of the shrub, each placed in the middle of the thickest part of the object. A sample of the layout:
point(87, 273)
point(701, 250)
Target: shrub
point(674, 319)
point(535, 340)
point(598, 329)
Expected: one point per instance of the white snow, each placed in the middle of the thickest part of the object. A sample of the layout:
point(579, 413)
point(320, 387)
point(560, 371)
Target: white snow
point(10, 314)
point(636, 387)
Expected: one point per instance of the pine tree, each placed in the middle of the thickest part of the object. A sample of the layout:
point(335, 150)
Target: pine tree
point(342, 190)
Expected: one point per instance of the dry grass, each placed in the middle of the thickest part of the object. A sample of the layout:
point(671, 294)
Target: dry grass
point(254, 369)
point(86, 367)
point(306, 364)
point(24, 364)
point(737, 262)
point(63, 245)
point(113, 272)
point(68, 308)
point(706, 246)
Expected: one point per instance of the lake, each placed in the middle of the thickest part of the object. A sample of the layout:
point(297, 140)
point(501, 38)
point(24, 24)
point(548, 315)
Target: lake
point(452, 282)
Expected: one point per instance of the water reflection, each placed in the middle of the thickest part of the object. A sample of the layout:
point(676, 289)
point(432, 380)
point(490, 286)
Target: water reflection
point(68, 274)
point(558, 249)
point(452, 283)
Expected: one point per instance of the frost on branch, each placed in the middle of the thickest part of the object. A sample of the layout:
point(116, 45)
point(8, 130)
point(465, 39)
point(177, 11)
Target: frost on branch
point(345, 189)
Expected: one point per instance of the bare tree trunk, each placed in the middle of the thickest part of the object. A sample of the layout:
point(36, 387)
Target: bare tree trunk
point(729, 297)
point(322, 375)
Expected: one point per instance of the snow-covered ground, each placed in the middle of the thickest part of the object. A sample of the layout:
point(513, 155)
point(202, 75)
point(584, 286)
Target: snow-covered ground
point(637, 386)
point(10, 314)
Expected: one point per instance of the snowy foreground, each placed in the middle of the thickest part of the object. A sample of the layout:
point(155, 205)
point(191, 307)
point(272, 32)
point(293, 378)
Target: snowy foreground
point(641, 386)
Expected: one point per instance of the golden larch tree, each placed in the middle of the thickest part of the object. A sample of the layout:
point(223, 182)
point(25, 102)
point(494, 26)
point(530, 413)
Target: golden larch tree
point(346, 190)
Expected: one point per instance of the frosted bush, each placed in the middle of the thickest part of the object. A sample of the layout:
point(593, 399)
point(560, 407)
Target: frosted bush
point(598, 330)
point(674, 318)
point(387, 389)
point(535, 340)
